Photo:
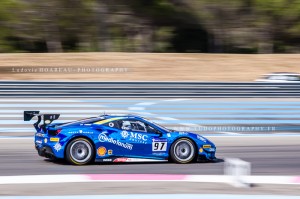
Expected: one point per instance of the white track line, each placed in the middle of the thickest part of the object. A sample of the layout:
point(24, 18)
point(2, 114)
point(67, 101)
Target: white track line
point(45, 179)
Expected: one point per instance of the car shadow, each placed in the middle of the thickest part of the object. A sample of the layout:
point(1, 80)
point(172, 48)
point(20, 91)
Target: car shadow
point(64, 162)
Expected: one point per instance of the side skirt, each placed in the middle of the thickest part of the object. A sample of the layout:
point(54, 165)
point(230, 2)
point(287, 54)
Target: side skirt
point(126, 159)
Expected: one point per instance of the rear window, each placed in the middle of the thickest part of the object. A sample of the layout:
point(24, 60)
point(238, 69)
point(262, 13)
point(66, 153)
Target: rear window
point(83, 121)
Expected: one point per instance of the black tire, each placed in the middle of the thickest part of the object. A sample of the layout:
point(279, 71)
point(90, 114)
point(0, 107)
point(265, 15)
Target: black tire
point(183, 151)
point(80, 151)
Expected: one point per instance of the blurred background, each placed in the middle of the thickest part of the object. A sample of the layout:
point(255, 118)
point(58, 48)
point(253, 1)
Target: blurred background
point(202, 26)
point(189, 64)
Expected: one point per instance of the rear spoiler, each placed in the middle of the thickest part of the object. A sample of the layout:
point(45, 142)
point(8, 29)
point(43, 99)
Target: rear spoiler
point(47, 118)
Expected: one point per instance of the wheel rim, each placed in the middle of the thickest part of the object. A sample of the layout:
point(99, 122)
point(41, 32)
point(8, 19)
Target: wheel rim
point(80, 151)
point(184, 150)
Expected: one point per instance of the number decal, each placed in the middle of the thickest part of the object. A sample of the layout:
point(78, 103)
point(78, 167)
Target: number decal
point(159, 145)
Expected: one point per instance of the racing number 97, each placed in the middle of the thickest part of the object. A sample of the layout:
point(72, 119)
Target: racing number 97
point(156, 145)
point(159, 146)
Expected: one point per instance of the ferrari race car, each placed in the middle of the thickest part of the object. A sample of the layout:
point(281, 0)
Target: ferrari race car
point(116, 138)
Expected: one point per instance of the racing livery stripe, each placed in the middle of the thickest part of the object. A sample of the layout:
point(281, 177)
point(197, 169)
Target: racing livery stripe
point(109, 120)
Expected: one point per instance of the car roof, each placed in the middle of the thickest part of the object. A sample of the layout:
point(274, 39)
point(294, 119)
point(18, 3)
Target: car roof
point(108, 116)
point(102, 117)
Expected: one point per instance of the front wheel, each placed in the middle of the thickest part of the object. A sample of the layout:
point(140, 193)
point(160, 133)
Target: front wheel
point(183, 151)
point(80, 151)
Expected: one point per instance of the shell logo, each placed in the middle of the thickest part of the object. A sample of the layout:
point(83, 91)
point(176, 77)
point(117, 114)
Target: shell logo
point(101, 151)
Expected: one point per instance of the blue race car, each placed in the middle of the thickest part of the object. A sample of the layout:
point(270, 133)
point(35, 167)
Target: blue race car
point(111, 138)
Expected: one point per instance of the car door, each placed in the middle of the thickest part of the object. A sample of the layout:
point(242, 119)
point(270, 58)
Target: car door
point(157, 144)
point(146, 141)
point(109, 142)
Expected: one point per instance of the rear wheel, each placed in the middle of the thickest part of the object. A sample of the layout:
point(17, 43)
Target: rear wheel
point(183, 151)
point(80, 151)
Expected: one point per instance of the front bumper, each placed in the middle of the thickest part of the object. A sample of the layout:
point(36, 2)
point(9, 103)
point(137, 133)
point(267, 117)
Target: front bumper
point(206, 154)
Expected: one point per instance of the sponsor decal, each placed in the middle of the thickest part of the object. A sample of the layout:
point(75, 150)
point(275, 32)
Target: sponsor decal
point(107, 160)
point(111, 124)
point(110, 152)
point(135, 137)
point(158, 154)
point(45, 140)
point(211, 149)
point(81, 132)
point(120, 159)
point(183, 133)
point(136, 160)
point(40, 135)
point(47, 121)
point(168, 135)
point(52, 139)
point(103, 138)
point(57, 147)
point(124, 134)
point(159, 145)
point(201, 138)
point(200, 150)
point(101, 151)
point(39, 141)
point(206, 146)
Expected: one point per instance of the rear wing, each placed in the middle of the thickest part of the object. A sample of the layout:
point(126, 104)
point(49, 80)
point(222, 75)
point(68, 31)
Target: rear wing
point(47, 118)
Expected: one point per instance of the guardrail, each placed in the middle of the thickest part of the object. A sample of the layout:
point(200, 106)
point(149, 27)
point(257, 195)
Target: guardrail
point(149, 89)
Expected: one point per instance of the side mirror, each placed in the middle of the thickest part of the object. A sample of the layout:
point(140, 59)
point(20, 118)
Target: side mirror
point(159, 133)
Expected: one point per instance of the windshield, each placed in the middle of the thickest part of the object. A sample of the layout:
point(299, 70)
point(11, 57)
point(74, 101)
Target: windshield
point(158, 125)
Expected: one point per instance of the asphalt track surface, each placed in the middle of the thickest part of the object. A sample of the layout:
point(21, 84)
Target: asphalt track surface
point(269, 155)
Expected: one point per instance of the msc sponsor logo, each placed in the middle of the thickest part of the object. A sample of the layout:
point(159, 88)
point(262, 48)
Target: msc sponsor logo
point(124, 134)
point(135, 137)
point(57, 146)
point(103, 138)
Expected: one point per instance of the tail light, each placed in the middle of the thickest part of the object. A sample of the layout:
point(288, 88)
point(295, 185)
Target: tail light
point(54, 132)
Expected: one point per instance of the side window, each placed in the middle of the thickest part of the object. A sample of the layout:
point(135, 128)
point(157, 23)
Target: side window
point(150, 129)
point(135, 125)
point(112, 124)
point(124, 125)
